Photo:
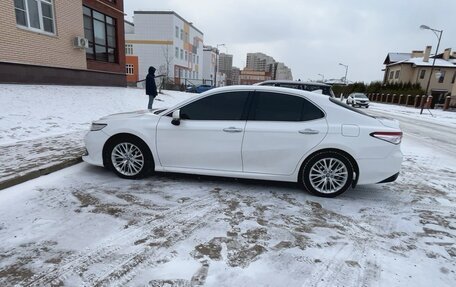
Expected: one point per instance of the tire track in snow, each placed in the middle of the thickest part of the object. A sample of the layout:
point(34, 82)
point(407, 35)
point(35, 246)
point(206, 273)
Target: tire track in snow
point(79, 262)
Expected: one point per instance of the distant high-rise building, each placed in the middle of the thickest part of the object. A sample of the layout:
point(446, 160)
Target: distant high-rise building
point(280, 71)
point(225, 63)
point(262, 62)
point(258, 61)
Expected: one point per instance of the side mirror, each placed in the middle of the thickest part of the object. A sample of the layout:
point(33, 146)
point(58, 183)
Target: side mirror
point(176, 118)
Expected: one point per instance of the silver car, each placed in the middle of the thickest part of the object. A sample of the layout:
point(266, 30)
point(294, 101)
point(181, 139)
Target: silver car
point(358, 99)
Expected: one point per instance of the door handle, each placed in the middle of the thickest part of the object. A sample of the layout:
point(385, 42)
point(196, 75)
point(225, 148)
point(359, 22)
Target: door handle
point(309, 132)
point(232, 130)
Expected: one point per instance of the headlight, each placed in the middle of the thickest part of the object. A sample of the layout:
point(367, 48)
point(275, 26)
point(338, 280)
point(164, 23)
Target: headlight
point(97, 127)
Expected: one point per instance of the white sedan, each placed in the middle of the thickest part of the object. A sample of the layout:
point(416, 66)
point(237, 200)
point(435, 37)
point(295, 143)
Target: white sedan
point(256, 132)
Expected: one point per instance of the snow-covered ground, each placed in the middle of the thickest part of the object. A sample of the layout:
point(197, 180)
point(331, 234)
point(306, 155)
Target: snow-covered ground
point(36, 111)
point(83, 226)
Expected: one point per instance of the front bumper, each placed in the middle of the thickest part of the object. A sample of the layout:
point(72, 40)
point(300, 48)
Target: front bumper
point(94, 142)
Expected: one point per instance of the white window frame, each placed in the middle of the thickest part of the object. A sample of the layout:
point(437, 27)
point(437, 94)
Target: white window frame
point(130, 69)
point(40, 16)
point(128, 49)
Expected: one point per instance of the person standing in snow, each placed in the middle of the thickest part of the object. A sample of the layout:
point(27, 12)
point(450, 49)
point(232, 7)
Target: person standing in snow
point(151, 87)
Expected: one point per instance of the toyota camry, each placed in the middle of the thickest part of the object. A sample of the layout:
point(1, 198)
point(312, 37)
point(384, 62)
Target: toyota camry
point(257, 132)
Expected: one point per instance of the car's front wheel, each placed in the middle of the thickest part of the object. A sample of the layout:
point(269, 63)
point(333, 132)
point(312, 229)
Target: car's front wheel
point(327, 174)
point(130, 158)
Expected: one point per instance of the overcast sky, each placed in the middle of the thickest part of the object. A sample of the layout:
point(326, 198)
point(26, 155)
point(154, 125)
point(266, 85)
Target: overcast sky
point(313, 36)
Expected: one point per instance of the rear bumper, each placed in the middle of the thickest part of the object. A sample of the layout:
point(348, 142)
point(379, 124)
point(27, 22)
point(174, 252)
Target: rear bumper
point(373, 171)
point(390, 179)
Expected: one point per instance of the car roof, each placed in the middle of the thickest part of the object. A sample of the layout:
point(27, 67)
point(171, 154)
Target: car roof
point(292, 82)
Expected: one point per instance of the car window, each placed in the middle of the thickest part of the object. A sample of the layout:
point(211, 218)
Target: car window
point(223, 106)
point(362, 96)
point(270, 106)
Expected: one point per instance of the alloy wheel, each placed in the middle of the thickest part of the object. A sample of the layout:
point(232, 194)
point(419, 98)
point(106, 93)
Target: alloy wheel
point(127, 159)
point(328, 175)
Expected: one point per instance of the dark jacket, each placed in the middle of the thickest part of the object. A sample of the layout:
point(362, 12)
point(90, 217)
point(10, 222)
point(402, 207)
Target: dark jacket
point(151, 87)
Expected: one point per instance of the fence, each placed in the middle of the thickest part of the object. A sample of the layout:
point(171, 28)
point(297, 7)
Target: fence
point(417, 101)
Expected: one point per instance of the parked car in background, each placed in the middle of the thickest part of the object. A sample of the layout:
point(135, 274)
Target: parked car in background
point(198, 89)
point(255, 132)
point(358, 99)
point(305, 86)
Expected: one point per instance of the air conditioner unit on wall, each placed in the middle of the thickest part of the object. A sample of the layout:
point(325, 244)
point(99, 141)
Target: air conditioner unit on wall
point(80, 43)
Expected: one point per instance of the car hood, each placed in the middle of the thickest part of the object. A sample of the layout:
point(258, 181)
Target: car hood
point(128, 115)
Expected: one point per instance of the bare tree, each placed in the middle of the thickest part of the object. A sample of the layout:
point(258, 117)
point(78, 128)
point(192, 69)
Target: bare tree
point(164, 69)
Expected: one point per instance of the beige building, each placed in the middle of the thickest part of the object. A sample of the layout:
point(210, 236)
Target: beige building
point(416, 68)
point(39, 42)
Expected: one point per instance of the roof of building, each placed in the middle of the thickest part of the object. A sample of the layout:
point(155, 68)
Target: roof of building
point(168, 13)
point(396, 57)
point(419, 62)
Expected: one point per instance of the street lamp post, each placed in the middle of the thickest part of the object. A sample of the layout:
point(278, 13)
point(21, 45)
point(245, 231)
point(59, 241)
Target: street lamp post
point(439, 37)
point(322, 77)
point(346, 72)
point(216, 62)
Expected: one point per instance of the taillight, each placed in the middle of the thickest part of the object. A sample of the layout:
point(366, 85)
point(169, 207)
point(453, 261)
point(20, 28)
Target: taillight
point(392, 137)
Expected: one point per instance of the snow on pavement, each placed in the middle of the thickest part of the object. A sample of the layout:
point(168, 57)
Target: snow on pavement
point(84, 226)
point(41, 125)
point(36, 111)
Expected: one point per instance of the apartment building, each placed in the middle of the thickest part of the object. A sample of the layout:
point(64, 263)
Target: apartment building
point(416, 69)
point(258, 61)
point(263, 62)
point(165, 40)
point(70, 42)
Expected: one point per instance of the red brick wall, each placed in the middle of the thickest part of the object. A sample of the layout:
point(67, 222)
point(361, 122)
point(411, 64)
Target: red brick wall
point(114, 9)
point(134, 61)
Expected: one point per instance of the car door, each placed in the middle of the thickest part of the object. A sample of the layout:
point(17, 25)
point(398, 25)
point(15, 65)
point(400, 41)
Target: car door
point(280, 130)
point(209, 135)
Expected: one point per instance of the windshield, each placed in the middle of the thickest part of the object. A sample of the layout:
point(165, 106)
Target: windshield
point(360, 96)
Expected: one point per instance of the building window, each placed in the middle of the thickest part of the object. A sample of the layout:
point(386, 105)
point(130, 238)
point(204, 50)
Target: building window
point(194, 58)
point(391, 75)
point(396, 76)
point(182, 54)
point(35, 15)
point(190, 57)
point(129, 49)
point(101, 32)
point(422, 74)
point(181, 34)
point(176, 53)
point(442, 77)
point(454, 78)
point(197, 59)
point(177, 32)
point(130, 69)
point(186, 55)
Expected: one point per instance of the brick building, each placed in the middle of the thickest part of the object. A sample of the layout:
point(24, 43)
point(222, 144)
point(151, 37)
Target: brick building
point(40, 46)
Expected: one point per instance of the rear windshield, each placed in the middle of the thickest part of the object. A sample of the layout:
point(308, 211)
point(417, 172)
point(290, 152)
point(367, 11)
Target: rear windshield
point(344, 105)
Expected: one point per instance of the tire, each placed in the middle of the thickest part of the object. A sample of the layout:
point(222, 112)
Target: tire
point(318, 180)
point(367, 106)
point(129, 158)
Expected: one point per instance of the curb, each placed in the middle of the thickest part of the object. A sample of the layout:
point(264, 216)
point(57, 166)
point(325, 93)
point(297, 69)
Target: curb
point(40, 172)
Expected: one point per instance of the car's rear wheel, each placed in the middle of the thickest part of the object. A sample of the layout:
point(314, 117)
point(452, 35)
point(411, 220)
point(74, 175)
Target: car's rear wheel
point(327, 174)
point(130, 158)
